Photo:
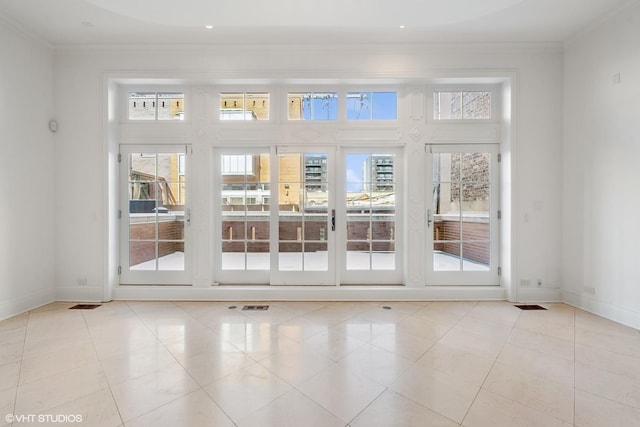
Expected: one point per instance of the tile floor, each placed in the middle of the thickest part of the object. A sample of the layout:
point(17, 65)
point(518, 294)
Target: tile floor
point(319, 364)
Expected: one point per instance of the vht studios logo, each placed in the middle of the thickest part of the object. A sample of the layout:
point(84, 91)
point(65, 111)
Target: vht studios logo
point(43, 418)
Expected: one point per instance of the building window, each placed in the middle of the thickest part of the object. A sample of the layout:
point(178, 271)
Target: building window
point(244, 106)
point(462, 105)
point(372, 106)
point(312, 106)
point(156, 106)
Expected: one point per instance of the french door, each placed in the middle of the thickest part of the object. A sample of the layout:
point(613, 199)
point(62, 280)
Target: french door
point(154, 214)
point(305, 220)
point(307, 216)
point(462, 215)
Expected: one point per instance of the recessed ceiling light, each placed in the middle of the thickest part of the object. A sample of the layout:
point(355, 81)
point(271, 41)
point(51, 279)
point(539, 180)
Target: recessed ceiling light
point(209, 27)
point(402, 27)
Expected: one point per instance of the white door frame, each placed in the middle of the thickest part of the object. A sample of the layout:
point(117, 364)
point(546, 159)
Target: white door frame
point(490, 277)
point(295, 277)
point(153, 276)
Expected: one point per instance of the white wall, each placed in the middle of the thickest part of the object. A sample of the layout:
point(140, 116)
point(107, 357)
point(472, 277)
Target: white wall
point(80, 157)
point(601, 176)
point(27, 213)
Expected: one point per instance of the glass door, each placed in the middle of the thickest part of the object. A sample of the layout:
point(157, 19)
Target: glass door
point(462, 215)
point(155, 215)
point(371, 204)
point(303, 228)
point(243, 204)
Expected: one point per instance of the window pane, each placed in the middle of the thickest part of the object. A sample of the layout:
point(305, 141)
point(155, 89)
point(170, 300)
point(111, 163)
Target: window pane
point(456, 105)
point(244, 106)
point(385, 106)
point(372, 106)
point(312, 106)
point(170, 106)
point(476, 105)
point(142, 106)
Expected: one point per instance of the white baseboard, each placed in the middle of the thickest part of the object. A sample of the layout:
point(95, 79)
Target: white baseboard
point(80, 294)
point(12, 307)
point(539, 295)
point(607, 310)
point(308, 293)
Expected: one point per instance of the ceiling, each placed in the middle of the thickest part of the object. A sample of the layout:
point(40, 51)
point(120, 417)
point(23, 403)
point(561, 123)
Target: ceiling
point(77, 22)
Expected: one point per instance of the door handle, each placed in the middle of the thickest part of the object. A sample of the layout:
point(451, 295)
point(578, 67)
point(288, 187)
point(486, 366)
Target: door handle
point(187, 216)
point(333, 220)
point(429, 218)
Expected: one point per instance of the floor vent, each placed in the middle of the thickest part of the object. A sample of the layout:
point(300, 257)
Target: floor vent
point(84, 306)
point(530, 307)
point(256, 307)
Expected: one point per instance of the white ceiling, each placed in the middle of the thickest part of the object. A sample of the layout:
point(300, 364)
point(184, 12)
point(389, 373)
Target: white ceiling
point(71, 22)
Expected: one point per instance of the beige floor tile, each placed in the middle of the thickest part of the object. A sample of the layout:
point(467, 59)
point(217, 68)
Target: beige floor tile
point(193, 410)
point(247, 390)
point(51, 363)
point(404, 344)
point(444, 318)
point(490, 331)
point(496, 312)
point(291, 409)
point(549, 345)
point(534, 321)
point(344, 395)
point(41, 395)
point(612, 386)
point(459, 364)
point(260, 342)
point(208, 367)
point(471, 342)
point(536, 363)
point(457, 307)
point(140, 395)
point(11, 351)
point(537, 392)
point(491, 410)
point(97, 410)
point(628, 345)
point(296, 367)
point(596, 411)
point(375, 364)
point(7, 402)
point(332, 344)
point(10, 335)
point(437, 391)
point(391, 409)
point(127, 366)
point(118, 341)
point(15, 322)
point(299, 329)
point(617, 363)
point(422, 328)
point(10, 374)
point(363, 330)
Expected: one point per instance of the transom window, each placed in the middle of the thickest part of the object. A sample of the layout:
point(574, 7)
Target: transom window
point(156, 106)
point(312, 106)
point(372, 106)
point(462, 105)
point(244, 106)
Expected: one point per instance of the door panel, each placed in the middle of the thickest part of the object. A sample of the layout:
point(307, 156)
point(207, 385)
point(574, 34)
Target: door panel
point(156, 215)
point(243, 206)
point(305, 239)
point(463, 209)
point(371, 200)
